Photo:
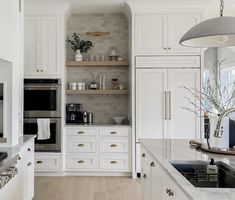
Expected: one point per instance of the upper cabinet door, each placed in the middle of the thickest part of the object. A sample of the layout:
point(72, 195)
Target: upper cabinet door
point(31, 45)
point(51, 46)
point(150, 34)
point(150, 87)
point(178, 25)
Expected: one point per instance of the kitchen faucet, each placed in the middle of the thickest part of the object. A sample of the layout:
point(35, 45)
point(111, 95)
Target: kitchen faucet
point(219, 128)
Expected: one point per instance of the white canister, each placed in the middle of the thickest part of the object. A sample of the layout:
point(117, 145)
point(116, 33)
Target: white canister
point(73, 86)
point(80, 86)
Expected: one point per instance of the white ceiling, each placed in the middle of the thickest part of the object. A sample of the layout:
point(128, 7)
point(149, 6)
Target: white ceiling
point(116, 6)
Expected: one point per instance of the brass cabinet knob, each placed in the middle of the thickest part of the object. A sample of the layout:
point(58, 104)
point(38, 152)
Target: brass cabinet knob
point(29, 164)
point(81, 145)
point(143, 155)
point(169, 192)
point(165, 48)
point(28, 149)
point(39, 162)
point(144, 176)
point(152, 164)
point(169, 48)
point(80, 161)
point(37, 70)
point(80, 132)
point(41, 70)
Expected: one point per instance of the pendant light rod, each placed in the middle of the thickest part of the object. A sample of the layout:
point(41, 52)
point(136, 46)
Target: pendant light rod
point(221, 8)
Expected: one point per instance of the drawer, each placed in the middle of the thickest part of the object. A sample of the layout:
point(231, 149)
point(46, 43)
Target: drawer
point(114, 145)
point(81, 131)
point(115, 162)
point(81, 145)
point(47, 162)
point(82, 161)
point(27, 149)
point(114, 132)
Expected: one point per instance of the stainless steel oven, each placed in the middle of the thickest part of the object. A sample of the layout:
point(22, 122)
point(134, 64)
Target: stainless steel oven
point(53, 143)
point(42, 98)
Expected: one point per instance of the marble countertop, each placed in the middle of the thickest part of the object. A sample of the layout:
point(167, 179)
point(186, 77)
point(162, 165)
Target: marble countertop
point(167, 150)
point(13, 152)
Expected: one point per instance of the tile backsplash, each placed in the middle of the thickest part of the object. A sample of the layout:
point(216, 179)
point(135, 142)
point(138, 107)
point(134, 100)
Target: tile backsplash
point(104, 107)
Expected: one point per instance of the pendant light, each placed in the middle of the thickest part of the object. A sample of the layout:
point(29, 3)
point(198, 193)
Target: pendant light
point(215, 32)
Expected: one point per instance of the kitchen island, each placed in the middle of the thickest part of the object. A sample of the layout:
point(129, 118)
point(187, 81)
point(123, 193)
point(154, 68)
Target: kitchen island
point(160, 180)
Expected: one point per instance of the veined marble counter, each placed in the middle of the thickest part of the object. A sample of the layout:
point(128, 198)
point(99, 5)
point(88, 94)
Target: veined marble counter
point(13, 152)
point(166, 150)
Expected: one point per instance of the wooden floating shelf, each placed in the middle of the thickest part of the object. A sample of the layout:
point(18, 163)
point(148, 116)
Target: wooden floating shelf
point(98, 92)
point(97, 63)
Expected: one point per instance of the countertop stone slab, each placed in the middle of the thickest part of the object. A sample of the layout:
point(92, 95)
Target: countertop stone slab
point(13, 152)
point(166, 150)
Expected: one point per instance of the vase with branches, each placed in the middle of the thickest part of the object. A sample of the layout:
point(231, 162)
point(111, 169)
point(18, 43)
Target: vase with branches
point(79, 45)
point(215, 99)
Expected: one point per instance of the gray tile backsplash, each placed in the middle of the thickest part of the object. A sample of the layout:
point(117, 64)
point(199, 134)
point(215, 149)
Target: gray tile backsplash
point(104, 107)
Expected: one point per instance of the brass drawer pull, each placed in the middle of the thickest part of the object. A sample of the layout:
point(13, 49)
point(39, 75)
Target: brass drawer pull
point(39, 162)
point(80, 132)
point(113, 145)
point(113, 132)
point(113, 162)
point(29, 164)
point(81, 145)
point(80, 161)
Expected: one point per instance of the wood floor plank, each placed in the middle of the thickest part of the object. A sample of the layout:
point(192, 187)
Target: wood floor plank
point(86, 188)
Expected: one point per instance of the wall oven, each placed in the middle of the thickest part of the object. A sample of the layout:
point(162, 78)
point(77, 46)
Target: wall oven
point(51, 144)
point(42, 98)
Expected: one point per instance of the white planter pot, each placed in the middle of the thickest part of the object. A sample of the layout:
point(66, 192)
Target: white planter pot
point(78, 56)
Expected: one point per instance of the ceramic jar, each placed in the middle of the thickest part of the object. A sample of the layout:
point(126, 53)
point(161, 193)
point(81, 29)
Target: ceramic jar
point(78, 56)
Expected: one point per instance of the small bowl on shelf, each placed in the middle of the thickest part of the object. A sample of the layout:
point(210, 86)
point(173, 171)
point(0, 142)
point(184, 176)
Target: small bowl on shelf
point(118, 119)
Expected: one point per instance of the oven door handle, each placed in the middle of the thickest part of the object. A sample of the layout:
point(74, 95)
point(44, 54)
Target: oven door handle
point(34, 120)
point(41, 88)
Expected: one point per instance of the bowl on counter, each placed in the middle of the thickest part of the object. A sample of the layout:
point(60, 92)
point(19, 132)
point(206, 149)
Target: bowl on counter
point(118, 119)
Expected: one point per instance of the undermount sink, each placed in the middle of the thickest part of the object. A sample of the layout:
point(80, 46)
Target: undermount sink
point(196, 173)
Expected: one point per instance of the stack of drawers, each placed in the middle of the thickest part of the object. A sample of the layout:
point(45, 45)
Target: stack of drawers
point(98, 148)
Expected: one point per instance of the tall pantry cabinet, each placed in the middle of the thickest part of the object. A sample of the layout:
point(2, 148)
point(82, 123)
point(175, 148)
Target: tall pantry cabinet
point(163, 68)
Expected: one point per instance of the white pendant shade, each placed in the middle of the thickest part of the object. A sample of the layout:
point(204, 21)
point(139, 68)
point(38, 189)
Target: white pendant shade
point(216, 32)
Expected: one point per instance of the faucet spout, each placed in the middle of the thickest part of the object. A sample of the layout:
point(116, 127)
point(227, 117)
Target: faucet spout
point(219, 128)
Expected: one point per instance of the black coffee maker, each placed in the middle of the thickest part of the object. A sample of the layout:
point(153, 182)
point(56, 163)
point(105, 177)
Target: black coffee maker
point(74, 113)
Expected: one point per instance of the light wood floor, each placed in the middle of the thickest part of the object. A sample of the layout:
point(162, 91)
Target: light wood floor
point(86, 188)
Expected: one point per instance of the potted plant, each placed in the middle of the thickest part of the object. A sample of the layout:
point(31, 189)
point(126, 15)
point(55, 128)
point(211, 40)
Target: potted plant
point(79, 46)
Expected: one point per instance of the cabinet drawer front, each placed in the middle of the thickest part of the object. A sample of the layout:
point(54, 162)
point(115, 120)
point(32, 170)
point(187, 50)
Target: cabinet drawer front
point(168, 62)
point(47, 163)
point(115, 146)
point(81, 145)
point(81, 131)
point(114, 132)
point(27, 149)
point(81, 161)
point(114, 162)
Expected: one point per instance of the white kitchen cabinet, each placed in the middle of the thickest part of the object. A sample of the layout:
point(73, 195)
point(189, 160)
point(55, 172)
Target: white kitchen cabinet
point(156, 184)
point(160, 34)
point(42, 46)
point(26, 171)
point(150, 87)
point(98, 149)
point(151, 34)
